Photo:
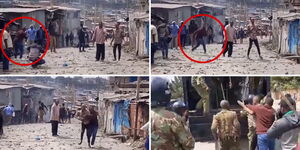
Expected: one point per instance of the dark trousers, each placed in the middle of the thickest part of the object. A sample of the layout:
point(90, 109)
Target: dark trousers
point(83, 128)
point(199, 42)
point(153, 50)
point(19, 49)
point(100, 52)
point(210, 39)
point(115, 50)
point(42, 61)
point(54, 125)
point(183, 40)
point(228, 49)
point(5, 61)
point(91, 133)
point(81, 46)
point(1, 125)
point(163, 44)
point(255, 41)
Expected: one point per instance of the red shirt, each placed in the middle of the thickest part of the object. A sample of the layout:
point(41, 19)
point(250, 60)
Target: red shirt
point(265, 116)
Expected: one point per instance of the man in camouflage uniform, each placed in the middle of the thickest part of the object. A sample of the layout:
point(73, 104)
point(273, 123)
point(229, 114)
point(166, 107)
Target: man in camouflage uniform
point(168, 130)
point(252, 137)
point(226, 128)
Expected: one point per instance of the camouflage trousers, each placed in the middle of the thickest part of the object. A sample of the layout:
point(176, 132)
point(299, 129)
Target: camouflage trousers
point(230, 143)
point(252, 137)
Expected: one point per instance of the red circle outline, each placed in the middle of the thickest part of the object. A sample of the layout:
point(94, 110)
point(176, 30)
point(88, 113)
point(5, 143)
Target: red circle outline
point(46, 48)
point(225, 42)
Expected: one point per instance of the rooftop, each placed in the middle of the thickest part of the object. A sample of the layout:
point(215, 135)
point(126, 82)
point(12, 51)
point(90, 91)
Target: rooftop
point(19, 10)
point(168, 6)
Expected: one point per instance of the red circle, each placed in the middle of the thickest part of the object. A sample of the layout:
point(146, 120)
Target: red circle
point(225, 42)
point(46, 48)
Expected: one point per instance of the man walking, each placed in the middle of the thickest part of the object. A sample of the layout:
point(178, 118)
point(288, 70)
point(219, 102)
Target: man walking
point(99, 37)
point(53, 39)
point(163, 33)
point(54, 118)
point(81, 36)
point(9, 111)
point(226, 128)
point(19, 42)
point(231, 37)
point(265, 116)
point(253, 31)
point(118, 36)
point(183, 34)
point(199, 37)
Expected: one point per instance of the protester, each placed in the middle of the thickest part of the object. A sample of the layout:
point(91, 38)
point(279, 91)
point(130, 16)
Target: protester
point(41, 37)
point(9, 112)
point(265, 116)
point(210, 34)
point(192, 28)
point(163, 37)
point(31, 34)
point(174, 33)
point(226, 128)
point(183, 34)
point(25, 114)
point(231, 38)
point(100, 37)
point(154, 40)
point(117, 38)
point(241, 35)
point(67, 37)
point(7, 45)
point(19, 42)
point(69, 115)
point(92, 126)
point(54, 118)
point(53, 28)
point(288, 138)
point(71, 38)
point(81, 36)
point(62, 113)
point(41, 113)
point(253, 32)
point(83, 117)
point(199, 37)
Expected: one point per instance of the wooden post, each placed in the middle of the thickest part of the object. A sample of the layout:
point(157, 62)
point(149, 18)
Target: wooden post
point(136, 107)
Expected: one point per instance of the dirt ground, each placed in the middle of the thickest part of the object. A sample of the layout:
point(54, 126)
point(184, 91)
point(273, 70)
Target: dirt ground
point(70, 61)
point(38, 137)
point(238, 64)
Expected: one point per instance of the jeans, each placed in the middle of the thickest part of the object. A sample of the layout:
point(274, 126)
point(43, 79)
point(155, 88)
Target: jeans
point(163, 44)
point(183, 40)
point(92, 132)
point(100, 52)
point(81, 46)
point(255, 41)
point(228, 49)
point(199, 42)
point(115, 50)
point(264, 143)
point(54, 125)
point(19, 49)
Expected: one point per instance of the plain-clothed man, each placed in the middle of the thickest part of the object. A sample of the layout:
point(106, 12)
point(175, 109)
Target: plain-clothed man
point(54, 118)
point(231, 37)
point(99, 37)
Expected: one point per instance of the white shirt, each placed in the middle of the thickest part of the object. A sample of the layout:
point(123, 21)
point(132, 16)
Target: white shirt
point(230, 33)
point(154, 32)
point(6, 36)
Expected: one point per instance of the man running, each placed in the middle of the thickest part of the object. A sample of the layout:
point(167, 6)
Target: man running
point(199, 37)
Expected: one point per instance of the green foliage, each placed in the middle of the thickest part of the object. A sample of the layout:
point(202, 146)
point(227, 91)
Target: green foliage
point(176, 88)
point(285, 83)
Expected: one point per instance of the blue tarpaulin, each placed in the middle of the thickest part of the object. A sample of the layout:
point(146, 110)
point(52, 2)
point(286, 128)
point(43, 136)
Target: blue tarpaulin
point(293, 37)
point(121, 117)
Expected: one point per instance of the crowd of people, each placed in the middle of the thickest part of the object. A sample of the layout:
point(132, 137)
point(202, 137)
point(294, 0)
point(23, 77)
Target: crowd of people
point(164, 36)
point(32, 41)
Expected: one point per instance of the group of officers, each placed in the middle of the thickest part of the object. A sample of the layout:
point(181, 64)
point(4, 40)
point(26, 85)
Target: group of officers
point(169, 127)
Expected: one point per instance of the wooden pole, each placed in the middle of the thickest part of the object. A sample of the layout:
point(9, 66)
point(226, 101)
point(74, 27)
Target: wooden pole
point(136, 107)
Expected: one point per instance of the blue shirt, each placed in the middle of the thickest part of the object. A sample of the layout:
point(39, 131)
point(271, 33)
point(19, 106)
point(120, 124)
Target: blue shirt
point(31, 34)
point(174, 29)
point(9, 110)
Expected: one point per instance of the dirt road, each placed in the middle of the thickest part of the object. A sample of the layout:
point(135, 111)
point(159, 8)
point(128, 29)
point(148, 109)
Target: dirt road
point(70, 61)
point(38, 137)
point(238, 64)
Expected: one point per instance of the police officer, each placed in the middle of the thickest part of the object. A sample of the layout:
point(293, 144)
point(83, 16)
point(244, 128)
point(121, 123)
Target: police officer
point(168, 129)
point(226, 128)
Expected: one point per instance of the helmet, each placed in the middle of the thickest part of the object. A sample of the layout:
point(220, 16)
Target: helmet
point(179, 107)
point(160, 92)
point(249, 99)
